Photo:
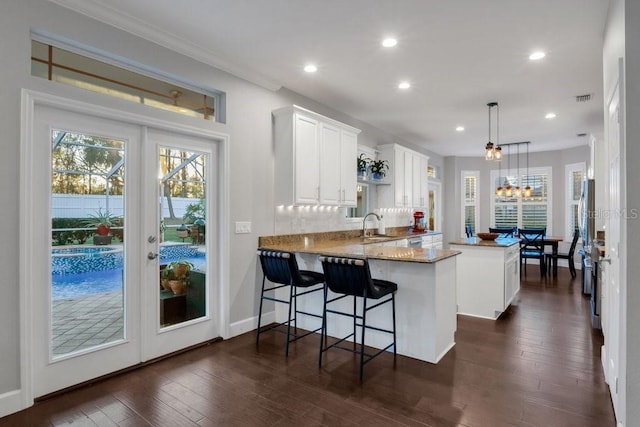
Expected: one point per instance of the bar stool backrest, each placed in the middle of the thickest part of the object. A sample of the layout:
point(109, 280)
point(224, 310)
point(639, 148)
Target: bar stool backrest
point(280, 267)
point(349, 276)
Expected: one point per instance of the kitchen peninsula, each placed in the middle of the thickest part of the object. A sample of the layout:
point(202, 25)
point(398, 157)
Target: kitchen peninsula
point(488, 273)
point(426, 278)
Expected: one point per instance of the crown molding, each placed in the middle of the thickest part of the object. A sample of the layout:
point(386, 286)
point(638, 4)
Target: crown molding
point(95, 10)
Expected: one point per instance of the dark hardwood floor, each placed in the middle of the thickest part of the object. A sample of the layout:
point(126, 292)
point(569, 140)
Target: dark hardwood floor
point(538, 365)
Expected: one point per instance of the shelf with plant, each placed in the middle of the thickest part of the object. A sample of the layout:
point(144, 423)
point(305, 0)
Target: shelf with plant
point(378, 169)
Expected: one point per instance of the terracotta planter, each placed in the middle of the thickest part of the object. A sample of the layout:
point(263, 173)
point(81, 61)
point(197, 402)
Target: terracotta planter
point(166, 285)
point(177, 286)
point(102, 230)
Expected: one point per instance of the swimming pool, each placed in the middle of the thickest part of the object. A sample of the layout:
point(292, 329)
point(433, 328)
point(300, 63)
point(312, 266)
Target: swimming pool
point(84, 270)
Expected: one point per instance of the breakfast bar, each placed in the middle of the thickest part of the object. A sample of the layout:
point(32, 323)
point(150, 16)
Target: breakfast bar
point(425, 300)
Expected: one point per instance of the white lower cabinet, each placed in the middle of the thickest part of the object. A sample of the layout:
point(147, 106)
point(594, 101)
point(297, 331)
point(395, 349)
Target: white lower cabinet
point(432, 241)
point(488, 279)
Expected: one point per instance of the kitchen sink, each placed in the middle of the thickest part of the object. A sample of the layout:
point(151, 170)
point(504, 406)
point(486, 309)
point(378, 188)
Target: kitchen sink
point(376, 239)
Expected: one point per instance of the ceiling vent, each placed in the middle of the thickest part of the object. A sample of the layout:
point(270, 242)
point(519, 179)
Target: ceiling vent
point(583, 98)
point(581, 135)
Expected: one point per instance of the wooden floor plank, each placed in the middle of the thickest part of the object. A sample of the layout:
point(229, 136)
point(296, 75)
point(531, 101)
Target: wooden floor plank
point(537, 365)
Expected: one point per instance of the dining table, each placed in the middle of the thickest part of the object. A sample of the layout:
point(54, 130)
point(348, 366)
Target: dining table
point(553, 241)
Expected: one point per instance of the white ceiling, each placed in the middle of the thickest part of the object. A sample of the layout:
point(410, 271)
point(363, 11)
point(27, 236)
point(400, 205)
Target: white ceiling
point(457, 54)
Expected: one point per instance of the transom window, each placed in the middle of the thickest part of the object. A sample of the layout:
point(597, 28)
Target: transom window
point(107, 76)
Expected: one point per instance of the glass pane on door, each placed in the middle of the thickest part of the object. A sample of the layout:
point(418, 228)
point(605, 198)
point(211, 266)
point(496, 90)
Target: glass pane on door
point(183, 247)
point(87, 242)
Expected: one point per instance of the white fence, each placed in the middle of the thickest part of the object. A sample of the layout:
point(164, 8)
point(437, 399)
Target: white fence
point(81, 206)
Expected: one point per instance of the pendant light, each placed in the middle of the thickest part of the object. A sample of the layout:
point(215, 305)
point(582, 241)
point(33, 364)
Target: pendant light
point(518, 192)
point(508, 190)
point(489, 150)
point(499, 191)
point(527, 189)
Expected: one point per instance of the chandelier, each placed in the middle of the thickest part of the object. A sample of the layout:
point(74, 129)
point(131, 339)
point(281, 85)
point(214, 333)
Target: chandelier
point(506, 189)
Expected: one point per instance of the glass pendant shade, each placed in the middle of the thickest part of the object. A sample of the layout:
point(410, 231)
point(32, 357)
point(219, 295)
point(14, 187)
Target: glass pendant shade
point(499, 191)
point(497, 153)
point(518, 192)
point(508, 191)
point(527, 191)
point(488, 151)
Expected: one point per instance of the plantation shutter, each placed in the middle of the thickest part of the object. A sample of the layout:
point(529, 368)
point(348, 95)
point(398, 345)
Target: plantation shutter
point(470, 200)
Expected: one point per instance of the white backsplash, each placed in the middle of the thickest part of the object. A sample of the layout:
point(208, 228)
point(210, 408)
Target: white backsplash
point(315, 219)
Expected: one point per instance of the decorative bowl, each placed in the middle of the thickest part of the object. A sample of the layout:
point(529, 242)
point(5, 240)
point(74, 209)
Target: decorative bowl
point(488, 236)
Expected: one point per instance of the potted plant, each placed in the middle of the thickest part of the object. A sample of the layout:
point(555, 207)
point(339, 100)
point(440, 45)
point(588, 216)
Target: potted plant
point(363, 164)
point(176, 275)
point(102, 221)
point(378, 168)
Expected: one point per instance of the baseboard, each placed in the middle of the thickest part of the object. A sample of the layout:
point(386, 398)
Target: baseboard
point(250, 324)
point(11, 402)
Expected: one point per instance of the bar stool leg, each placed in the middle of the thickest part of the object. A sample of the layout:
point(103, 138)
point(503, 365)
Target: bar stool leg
point(260, 312)
point(364, 327)
point(393, 313)
point(291, 299)
point(354, 322)
point(323, 330)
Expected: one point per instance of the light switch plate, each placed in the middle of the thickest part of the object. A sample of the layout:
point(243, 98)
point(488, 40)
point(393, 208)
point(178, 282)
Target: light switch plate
point(243, 227)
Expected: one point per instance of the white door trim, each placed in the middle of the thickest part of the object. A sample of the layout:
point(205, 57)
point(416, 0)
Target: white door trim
point(29, 100)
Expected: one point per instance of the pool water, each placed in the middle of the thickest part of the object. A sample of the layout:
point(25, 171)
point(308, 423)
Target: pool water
point(65, 286)
point(72, 285)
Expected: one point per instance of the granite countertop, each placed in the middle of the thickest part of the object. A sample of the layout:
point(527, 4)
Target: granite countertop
point(475, 241)
point(351, 244)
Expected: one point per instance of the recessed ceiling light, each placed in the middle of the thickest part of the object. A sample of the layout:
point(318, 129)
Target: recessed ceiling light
point(550, 116)
point(537, 55)
point(389, 42)
point(460, 128)
point(310, 68)
point(404, 85)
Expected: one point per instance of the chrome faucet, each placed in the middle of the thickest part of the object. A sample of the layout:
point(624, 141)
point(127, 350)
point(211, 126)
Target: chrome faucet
point(364, 222)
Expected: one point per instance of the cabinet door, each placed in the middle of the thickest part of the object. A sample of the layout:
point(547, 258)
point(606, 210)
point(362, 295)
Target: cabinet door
point(348, 175)
point(306, 160)
point(511, 280)
point(330, 165)
point(417, 184)
point(398, 177)
point(408, 179)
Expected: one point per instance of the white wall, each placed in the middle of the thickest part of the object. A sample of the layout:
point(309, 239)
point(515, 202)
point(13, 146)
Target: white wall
point(248, 124)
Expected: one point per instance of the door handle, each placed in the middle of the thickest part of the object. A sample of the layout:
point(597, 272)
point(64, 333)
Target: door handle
point(152, 255)
point(151, 239)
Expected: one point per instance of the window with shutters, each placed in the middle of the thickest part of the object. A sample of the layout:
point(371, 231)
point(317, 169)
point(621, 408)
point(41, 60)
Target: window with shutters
point(522, 212)
point(470, 197)
point(575, 173)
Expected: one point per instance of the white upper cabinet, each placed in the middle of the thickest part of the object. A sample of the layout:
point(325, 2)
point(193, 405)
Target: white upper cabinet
point(408, 188)
point(315, 159)
point(349, 172)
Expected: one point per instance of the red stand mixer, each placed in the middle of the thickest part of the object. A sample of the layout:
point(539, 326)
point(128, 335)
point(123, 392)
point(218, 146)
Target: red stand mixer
point(418, 221)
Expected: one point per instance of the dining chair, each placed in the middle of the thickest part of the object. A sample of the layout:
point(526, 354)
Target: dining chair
point(532, 246)
point(504, 231)
point(468, 231)
point(551, 258)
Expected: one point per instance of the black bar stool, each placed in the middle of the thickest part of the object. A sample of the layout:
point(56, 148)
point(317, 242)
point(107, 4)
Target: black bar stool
point(349, 276)
point(281, 268)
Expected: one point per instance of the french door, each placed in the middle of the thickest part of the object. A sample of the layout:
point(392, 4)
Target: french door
point(113, 207)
